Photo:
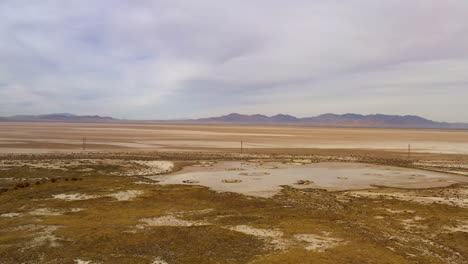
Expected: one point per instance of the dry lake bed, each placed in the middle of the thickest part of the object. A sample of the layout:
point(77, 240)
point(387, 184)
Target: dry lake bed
point(165, 193)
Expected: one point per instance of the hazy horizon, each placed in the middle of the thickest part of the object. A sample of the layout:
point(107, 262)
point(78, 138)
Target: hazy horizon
point(194, 59)
point(226, 114)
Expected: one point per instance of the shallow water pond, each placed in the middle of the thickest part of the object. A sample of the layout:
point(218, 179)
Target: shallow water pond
point(266, 179)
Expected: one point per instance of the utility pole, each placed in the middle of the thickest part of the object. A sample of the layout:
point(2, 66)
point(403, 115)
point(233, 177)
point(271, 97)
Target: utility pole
point(84, 143)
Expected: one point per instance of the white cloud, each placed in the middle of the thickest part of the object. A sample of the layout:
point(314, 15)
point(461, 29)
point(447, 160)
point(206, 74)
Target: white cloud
point(169, 59)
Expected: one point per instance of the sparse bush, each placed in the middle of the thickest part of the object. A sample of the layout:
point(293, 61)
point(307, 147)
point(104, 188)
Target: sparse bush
point(38, 182)
point(66, 179)
point(20, 185)
point(26, 184)
point(74, 179)
point(3, 190)
point(53, 179)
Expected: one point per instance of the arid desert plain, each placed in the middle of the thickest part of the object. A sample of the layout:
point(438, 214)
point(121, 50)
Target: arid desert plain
point(161, 193)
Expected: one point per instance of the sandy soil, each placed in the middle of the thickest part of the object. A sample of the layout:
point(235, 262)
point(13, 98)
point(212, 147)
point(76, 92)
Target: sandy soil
point(62, 137)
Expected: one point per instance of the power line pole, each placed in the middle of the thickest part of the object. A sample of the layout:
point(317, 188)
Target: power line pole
point(409, 150)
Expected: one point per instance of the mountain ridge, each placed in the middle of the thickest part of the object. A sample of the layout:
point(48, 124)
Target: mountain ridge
point(336, 120)
point(323, 120)
point(58, 117)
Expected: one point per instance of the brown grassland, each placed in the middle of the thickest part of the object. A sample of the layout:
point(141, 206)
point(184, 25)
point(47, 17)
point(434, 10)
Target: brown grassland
point(66, 205)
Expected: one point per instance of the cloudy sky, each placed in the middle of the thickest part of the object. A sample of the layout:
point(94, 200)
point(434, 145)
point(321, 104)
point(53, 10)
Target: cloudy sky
point(169, 59)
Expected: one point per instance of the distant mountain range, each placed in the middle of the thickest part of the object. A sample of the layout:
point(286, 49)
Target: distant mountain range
point(58, 117)
point(333, 120)
point(325, 120)
point(46, 116)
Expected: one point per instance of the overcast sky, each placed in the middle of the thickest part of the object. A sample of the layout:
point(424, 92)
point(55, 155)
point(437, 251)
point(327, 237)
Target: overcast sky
point(145, 59)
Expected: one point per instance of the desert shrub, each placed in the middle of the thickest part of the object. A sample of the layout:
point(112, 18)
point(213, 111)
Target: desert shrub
point(26, 184)
point(3, 190)
point(20, 185)
point(53, 179)
point(66, 179)
point(74, 179)
point(38, 182)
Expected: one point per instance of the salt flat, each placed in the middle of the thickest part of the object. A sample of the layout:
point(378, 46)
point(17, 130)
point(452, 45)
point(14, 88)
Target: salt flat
point(65, 137)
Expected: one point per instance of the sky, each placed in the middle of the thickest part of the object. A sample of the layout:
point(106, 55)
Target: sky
point(142, 59)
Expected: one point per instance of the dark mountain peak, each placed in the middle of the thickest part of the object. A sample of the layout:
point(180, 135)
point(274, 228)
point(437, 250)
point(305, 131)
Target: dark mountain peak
point(355, 116)
point(283, 118)
point(59, 114)
point(59, 117)
point(328, 115)
point(235, 117)
point(45, 115)
point(335, 120)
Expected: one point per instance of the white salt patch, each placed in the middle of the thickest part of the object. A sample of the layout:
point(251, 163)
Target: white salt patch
point(75, 196)
point(143, 182)
point(400, 211)
point(278, 242)
point(126, 195)
point(316, 242)
point(45, 237)
point(46, 211)
point(158, 260)
point(79, 261)
point(256, 231)
point(274, 237)
point(11, 215)
point(30, 227)
point(170, 220)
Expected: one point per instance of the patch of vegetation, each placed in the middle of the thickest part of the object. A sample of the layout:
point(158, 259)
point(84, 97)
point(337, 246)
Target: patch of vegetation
point(105, 230)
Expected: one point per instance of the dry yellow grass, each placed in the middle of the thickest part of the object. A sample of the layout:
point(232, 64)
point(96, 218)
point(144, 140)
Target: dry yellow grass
point(98, 227)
